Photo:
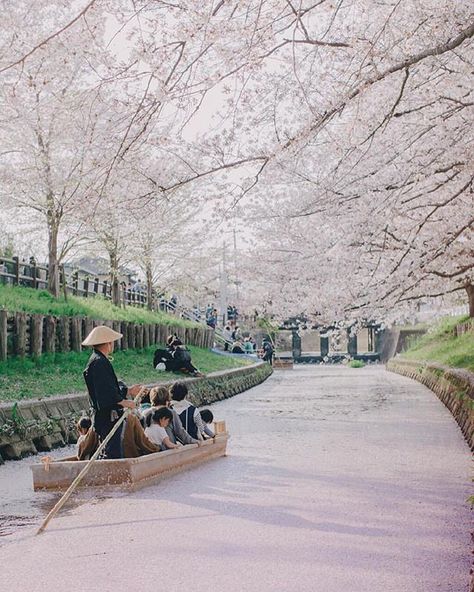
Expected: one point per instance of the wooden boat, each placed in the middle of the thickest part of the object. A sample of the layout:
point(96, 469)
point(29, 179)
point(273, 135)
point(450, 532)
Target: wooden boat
point(129, 472)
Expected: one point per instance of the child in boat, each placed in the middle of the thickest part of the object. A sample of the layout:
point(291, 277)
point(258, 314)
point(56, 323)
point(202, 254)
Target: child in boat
point(83, 426)
point(207, 417)
point(88, 441)
point(156, 432)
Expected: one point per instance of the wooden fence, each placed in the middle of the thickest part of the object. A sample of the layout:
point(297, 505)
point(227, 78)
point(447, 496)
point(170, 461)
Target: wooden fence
point(31, 275)
point(23, 334)
point(466, 327)
point(14, 272)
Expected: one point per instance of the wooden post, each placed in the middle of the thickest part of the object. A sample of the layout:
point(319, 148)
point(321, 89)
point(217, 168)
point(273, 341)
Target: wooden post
point(3, 335)
point(34, 274)
point(36, 335)
point(124, 331)
point(131, 335)
point(76, 334)
point(16, 271)
point(146, 336)
point(50, 339)
point(63, 329)
point(88, 325)
point(63, 281)
point(138, 336)
point(75, 282)
point(116, 327)
point(19, 333)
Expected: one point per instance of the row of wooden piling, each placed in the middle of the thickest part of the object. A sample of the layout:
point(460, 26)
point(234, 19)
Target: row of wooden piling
point(23, 334)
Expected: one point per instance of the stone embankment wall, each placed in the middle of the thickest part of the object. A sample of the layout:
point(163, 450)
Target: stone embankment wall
point(32, 426)
point(454, 387)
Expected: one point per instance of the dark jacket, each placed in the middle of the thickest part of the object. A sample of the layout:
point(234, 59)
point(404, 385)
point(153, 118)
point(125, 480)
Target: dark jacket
point(102, 383)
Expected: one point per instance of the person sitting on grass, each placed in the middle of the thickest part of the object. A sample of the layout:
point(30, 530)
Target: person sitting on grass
point(156, 432)
point(237, 348)
point(160, 398)
point(188, 413)
point(181, 357)
point(248, 346)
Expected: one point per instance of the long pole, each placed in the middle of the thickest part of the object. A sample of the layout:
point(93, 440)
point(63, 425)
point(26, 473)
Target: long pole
point(85, 470)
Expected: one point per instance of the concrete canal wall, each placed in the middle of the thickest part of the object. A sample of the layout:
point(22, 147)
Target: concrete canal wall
point(454, 387)
point(37, 425)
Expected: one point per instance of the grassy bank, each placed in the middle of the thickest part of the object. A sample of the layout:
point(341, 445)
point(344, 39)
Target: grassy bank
point(17, 299)
point(442, 346)
point(59, 374)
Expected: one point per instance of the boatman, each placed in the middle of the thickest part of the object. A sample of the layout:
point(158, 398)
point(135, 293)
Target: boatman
point(108, 399)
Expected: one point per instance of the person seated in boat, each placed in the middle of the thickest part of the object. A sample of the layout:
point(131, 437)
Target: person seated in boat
point(160, 397)
point(134, 441)
point(207, 417)
point(82, 427)
point(156, 432)
point(87, 441)
point(188, 413)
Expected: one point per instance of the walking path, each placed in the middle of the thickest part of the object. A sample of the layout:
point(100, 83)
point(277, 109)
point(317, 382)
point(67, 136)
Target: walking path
point(337, 479)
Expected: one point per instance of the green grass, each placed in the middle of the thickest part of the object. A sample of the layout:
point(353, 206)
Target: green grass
point(18, 299)
point(442, 346)
point(356, 364)
point(59, 374)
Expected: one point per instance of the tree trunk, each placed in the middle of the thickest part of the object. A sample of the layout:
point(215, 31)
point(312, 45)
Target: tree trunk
point(53, 263)
point(470, 296)
point(149, 287)
point(114, 277)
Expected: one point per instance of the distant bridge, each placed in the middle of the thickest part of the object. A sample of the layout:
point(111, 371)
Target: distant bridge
point(333, 344)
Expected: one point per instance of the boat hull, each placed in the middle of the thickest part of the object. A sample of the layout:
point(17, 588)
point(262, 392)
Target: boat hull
point(129, 472)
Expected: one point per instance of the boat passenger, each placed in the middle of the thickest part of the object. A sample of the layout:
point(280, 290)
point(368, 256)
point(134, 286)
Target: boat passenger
point(207, 417)
point(107, 398)
point(160, 397)
point(88, 441)
point(82, 427)
point(156, 432)
point(134, 441)
point(188, 413)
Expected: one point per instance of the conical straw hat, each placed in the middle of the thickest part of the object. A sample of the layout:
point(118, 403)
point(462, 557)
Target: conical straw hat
point(101, 334)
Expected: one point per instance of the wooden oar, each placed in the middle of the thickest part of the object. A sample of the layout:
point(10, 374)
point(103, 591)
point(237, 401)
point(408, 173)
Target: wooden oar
point(85, 470)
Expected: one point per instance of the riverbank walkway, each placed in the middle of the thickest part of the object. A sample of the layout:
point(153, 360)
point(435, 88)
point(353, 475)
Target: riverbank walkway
point(337, 479)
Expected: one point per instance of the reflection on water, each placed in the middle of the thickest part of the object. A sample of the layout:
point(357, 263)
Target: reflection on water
point(21, 506)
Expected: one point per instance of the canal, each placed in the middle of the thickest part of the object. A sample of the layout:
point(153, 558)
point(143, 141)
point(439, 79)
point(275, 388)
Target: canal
point(336, 479)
